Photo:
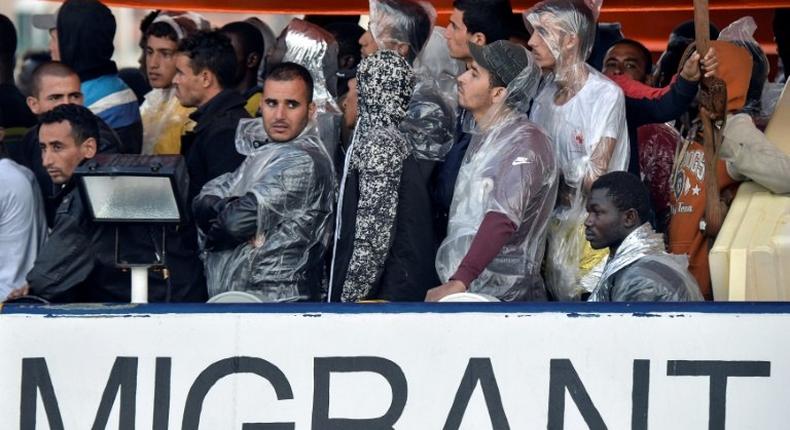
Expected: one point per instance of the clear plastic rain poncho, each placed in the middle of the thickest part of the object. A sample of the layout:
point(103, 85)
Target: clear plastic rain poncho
point(645, 272)
point(294, 184)
point(430, 121)
point(316, 50)
point(584, 113)
point(164, 119)
point(509, 168)
point(741, 33)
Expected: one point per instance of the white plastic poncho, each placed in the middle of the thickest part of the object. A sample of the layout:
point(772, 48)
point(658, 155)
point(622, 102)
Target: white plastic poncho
point(429, 126)
point(294, 184)
point(316, 50)
point(509, 168)
point(641, 270)
point(589, 132)
point(164, 122)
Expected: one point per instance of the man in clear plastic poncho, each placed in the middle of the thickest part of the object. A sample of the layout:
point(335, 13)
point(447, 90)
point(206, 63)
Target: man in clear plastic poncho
point(584, 113)
point(405, 26)
point(507, 185)
point(265, 227)
point(315, 49)
point(638, 269)
point(165, 120)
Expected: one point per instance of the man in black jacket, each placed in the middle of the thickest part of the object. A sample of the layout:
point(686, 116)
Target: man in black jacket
point(268, 224)
point(205, 68)
point(77, 263)
point(53, 84)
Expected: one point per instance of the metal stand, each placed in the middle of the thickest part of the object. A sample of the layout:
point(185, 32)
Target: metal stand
point(140, 284)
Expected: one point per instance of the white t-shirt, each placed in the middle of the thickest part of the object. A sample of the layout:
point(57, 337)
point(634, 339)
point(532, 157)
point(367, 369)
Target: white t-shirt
point(23, 226)
point(595, 112)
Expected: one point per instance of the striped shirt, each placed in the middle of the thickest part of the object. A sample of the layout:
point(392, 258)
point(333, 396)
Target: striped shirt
point(111, 100)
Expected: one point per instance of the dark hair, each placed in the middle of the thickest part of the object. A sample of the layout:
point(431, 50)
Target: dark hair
point(211, 50)
point(648, 57)
point(291, 71)
point(686, 29)
point(490, 17)
point(679, 39)
point(249, 35)
point(50, 68)
point(161, 29)
point(347, 35)
point(782, 36)
point(7, 39)
point(82, 120)
point(626, 191)
point(145, 23)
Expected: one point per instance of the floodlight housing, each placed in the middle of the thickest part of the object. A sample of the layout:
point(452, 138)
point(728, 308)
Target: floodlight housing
point(146, 189)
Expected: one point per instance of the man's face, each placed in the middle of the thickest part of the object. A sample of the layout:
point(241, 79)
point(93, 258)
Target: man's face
point(55, 91)
point(190, 89)
point(540, 50)
point(60, 153)
point(241, 59)
point(368, 44)
point(160, 61)
point(605, 224)
point(285, 109)
point(475, 93)
point(457, 36)
point(625, 59)
point(54, 48)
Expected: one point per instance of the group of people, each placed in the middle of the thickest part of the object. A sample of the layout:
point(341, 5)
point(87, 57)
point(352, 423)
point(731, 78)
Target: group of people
point(407, 162)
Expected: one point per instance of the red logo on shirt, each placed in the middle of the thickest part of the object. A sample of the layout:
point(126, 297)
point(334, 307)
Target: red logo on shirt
point(579, 138)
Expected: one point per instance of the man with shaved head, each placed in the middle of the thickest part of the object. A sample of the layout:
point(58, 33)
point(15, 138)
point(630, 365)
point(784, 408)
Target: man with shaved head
point(54, 84)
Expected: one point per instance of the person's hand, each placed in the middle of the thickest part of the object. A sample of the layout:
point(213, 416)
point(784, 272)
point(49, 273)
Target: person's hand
point(710, 64)
point(19, 292)
point(450, 287)
point(693, 67)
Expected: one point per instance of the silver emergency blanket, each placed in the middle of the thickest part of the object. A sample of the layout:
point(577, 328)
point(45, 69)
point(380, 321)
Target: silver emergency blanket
point(429, 126)
point(294, 184)
point(509, 169)
point(645, 272)
point(314, 48)
point(588, 127)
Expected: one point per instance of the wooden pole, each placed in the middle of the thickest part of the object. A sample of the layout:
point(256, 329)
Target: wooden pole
point(714, 212)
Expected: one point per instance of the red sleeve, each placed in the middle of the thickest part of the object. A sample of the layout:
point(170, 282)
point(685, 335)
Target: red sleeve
point(637, 90)
point(494, 232)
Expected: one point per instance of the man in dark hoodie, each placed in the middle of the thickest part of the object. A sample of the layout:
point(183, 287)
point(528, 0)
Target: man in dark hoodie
point(16, 117)
point(82, 35)
point(205, 68)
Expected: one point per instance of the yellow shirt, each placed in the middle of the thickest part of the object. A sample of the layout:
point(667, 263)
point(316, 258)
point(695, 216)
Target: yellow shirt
point(164, 122)
point(253, 104)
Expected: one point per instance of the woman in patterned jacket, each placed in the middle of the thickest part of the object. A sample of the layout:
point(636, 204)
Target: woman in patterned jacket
point(384, 240)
